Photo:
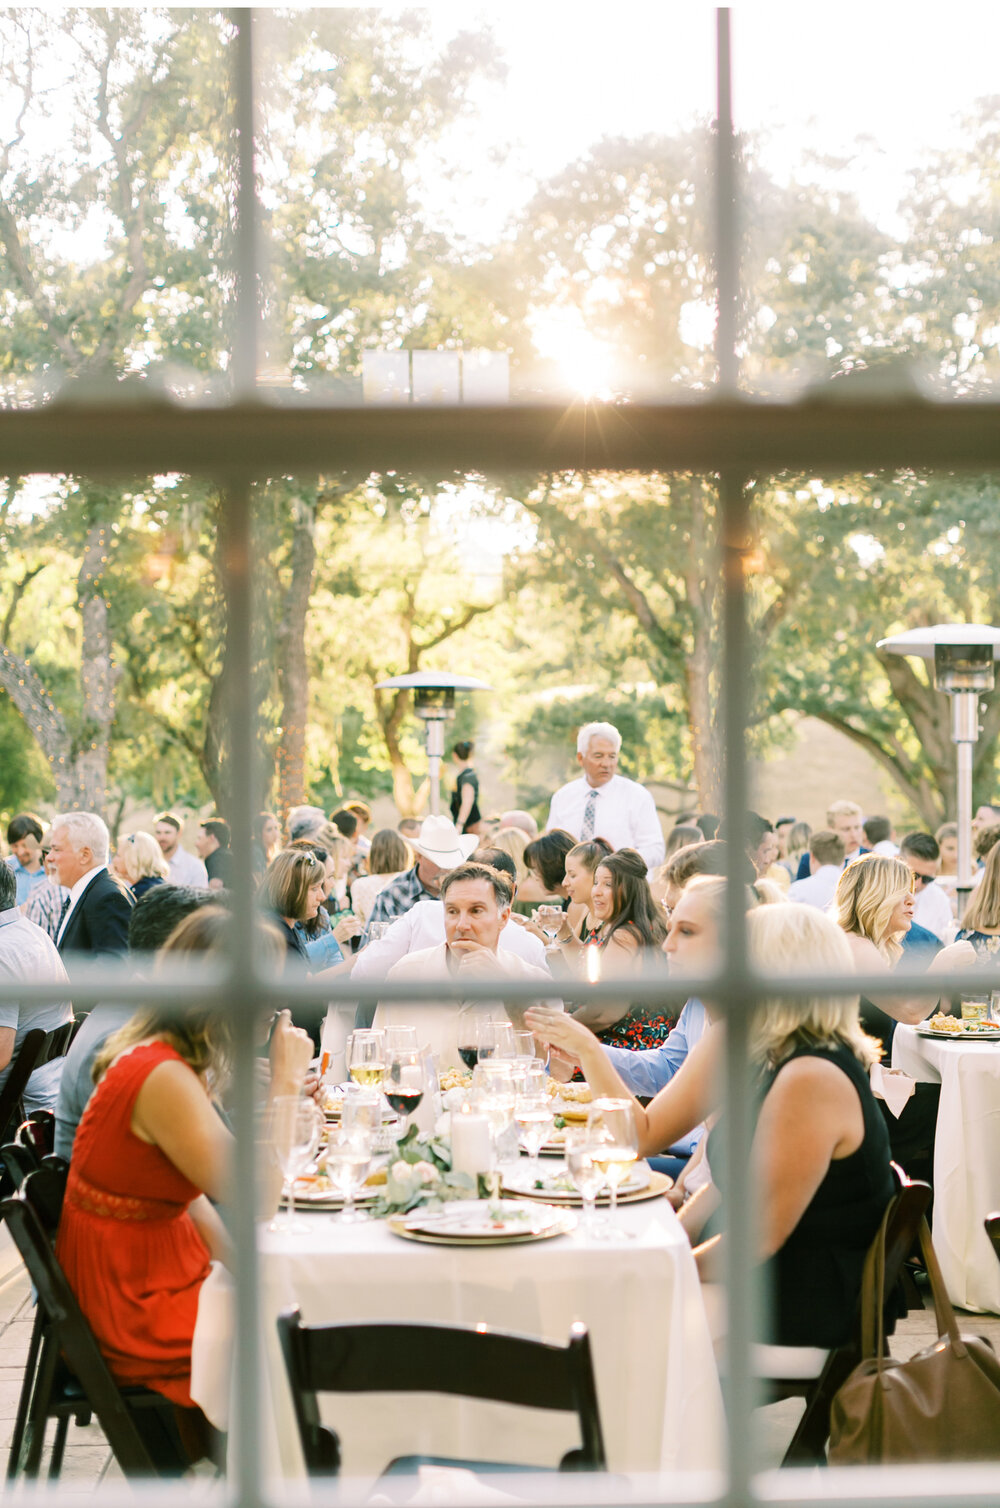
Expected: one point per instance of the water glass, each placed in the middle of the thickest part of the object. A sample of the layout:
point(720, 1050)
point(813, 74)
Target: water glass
point(535, 1119)
point(348, 1160)
point(294, 1125)
point(586, 1176)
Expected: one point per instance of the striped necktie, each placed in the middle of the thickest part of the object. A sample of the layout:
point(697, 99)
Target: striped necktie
point(587, 831)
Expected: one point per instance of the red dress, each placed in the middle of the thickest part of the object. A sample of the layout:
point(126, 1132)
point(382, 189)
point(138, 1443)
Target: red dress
point(128, 1246)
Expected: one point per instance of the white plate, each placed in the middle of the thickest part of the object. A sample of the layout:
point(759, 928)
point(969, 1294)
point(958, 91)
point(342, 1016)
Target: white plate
point(521, 1180)
point(487, 1219)
point(963, 1036)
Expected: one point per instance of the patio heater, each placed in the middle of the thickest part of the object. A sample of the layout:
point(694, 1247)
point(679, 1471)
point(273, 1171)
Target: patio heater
point(434, 701)
point(964, 655)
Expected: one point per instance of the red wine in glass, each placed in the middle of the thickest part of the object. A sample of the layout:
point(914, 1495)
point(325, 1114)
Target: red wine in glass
point(404, 1101)
point(469, 1056)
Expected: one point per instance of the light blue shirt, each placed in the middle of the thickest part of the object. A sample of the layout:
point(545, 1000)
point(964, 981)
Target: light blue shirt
point(647, 1071)
point(27, 879)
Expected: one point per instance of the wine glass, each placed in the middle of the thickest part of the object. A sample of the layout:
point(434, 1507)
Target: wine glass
point(534, 1118)
point(294, 1127)
point(403, 1038)
point(366, 1057)
point(586, 1177)
point(348, 1159)
point(404, 1082)
point(496, 1039)
point(611, 1123)
point(550, 919)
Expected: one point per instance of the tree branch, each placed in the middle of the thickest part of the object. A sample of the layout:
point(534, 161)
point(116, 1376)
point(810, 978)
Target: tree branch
point(17, 592)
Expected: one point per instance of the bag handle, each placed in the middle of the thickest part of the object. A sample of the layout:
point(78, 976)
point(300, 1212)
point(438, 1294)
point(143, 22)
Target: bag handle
point(944, 1314)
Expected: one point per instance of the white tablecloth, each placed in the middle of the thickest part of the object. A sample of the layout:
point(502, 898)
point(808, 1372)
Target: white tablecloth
point(657, 1385)
point(966, 1158)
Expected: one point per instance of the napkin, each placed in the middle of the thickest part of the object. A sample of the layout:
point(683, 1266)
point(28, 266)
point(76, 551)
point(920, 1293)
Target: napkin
point(212, 1347)
point(445, 1486)
point(892, 1085)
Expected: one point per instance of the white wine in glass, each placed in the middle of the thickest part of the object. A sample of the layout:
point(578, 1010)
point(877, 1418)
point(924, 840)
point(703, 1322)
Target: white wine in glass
point(611, 1124)
point(366, 1058)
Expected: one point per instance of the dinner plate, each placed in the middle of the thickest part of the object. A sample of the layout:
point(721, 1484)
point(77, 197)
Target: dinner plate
point(522, 1180)
point(658, 1185)
point(484, 1222)
point(991, 1035)
point(317, 1193)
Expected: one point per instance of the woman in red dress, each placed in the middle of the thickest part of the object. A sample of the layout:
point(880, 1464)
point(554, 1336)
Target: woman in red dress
point(138, 1231)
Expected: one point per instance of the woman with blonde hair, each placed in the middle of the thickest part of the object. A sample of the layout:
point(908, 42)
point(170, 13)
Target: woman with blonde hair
point(981, 922)
point(820, 1153)
point(140, 863)
point(873, 904)
point(151, 1160)
point(389, 857)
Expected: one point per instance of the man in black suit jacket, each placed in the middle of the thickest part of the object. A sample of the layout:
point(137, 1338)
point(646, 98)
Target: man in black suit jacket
point(96, 917)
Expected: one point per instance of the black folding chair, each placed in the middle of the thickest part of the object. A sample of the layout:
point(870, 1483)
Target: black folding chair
point(22, 1066)
point(808, 1444)
point(992, 1223)
point(467, 1363)
point(72, 1378)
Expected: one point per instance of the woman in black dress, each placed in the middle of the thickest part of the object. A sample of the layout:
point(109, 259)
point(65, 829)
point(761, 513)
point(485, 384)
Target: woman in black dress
point(465, 811)
point(820, 1155)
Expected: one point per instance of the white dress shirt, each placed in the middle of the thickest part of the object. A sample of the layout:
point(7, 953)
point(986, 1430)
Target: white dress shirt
point(423, 927)
point(187, 869)
point(816, 889)
point(932, 909)
point(438, 1025)
point(75, 893)
point(624, 814)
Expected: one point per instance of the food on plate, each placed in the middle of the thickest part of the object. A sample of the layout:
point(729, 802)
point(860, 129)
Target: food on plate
point(453, 1078)
point(573, 1094)
point(950, 1025)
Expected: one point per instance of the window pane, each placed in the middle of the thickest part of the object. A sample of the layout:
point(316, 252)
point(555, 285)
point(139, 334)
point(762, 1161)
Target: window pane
point(117, 183)
point(458, 210)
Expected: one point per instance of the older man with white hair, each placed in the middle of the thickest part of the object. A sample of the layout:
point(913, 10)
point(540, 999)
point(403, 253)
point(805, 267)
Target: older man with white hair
point(96, 915)
point(604, 804)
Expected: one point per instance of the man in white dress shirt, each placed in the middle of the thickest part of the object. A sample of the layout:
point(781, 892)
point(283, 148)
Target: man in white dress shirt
point(184, 867)
point(476, 901)
point(931, 906)
point(826, 864)
point(604, 804)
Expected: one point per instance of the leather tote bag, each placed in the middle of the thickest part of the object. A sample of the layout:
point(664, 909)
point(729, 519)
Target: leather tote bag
point(941, 1405)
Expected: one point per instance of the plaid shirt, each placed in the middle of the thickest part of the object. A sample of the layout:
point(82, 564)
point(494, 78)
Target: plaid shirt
point(396, 899)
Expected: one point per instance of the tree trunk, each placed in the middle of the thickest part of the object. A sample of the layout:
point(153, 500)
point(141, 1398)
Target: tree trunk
point(391, 709)
point(293, 667)
point(44, 721)
point(703, 723)
point(97, 676)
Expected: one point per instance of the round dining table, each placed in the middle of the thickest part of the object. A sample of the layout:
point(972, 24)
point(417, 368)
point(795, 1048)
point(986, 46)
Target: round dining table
point(657, 1382)
point(966, 1157)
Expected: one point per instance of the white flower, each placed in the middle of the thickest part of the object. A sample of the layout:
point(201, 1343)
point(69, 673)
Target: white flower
point(427, 1171)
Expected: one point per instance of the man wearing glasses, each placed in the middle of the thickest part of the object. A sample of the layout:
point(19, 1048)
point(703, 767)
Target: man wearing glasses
point(931, 908)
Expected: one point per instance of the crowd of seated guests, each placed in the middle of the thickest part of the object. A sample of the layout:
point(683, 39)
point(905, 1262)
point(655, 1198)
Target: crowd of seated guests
point(140, 1098)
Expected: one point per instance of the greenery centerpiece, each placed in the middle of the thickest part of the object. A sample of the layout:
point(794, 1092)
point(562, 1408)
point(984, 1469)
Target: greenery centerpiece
point(421, 1175)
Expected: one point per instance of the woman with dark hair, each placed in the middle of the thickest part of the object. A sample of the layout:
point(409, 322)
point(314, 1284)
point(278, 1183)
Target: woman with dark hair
point(545, 858)
point(266, 841)
point(465, 811)
point(628, 923)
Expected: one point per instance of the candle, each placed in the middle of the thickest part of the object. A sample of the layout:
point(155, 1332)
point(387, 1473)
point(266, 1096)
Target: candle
point(471, 1148)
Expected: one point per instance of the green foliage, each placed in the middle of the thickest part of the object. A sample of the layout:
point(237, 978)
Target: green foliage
point(25, 779)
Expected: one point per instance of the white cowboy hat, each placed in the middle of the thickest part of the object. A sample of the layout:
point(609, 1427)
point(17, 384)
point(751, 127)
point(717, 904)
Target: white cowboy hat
point(442, 843)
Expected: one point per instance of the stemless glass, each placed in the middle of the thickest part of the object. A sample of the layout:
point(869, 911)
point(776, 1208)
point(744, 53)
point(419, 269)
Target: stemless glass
point(348, 1159)
point(534, 1118)
point(294, 1126)
point(524, 1048)
point(611, 1124)
point(366, 1057)
point(404, 1082)
point(586, 1177)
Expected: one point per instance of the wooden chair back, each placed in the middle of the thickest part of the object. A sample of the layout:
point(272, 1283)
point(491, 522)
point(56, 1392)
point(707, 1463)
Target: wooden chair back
point(992, 1223)
point(467, 1363)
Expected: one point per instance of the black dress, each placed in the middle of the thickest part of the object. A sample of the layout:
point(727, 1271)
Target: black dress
point(815, 1279)
point(466, 777)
